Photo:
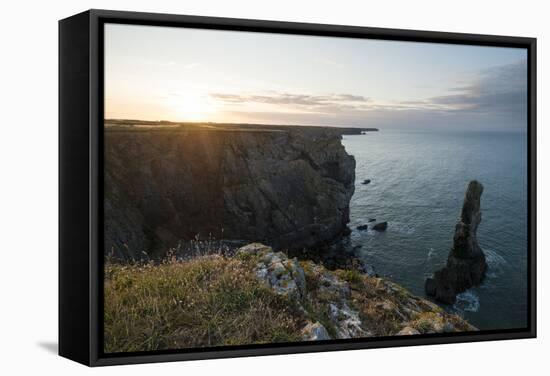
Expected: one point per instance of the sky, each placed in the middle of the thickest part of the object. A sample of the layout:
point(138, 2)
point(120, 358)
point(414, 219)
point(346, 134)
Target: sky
point(181, 74)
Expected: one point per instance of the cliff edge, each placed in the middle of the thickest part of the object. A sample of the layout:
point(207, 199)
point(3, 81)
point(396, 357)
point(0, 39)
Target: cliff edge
point(257, 296)
point(289, 188)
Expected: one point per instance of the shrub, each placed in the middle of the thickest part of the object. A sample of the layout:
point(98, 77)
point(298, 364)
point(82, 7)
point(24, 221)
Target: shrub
point(350, 275)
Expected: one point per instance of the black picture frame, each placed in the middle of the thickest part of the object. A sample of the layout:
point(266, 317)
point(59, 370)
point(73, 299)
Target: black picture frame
point(81, 184)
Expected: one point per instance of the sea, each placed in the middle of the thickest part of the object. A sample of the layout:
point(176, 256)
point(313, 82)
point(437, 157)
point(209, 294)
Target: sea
point(418, 182)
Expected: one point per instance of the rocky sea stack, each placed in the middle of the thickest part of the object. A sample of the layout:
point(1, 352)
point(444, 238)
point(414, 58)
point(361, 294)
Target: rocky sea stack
point(466, 264)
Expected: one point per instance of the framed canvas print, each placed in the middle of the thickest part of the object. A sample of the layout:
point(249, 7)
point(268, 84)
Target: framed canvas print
point(236, 187)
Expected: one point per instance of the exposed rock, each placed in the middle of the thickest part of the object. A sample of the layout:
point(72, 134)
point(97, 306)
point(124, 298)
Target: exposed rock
point(350, 304)
point(339, 255)
point(372, 220)
point(362, 227)
point(408, 331)
point(315, 332)
point(347, 322)
point(466, 264)
point(434, 322)
point(331, 285)
point(287, 187)
point(123, 228)
point(285, 276)
point(446, 328)
point(430, 286)
point(366, 181)
point(382, 226)
point(254, 249)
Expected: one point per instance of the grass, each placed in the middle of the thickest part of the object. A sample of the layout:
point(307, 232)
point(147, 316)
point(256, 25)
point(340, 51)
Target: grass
point(354, 277)
point(206, 301)
point(216, 300)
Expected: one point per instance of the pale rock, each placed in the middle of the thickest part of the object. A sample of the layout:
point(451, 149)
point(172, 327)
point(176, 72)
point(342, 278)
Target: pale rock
point(347, 322)
point(408, 331)
point(285, 276)
point(314, 332)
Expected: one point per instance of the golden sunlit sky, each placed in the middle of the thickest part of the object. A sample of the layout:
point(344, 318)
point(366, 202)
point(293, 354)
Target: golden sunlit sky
point(180, 74)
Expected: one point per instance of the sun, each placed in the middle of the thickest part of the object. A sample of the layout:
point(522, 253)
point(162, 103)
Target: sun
point(192, 107)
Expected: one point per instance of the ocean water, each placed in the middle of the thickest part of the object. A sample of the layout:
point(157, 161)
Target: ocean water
point(418, 185)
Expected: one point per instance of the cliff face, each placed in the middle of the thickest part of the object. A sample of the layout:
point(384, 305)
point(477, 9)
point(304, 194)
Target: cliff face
point(288, 188)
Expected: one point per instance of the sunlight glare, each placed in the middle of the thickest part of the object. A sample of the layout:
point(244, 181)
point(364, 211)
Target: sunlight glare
point(191, 107)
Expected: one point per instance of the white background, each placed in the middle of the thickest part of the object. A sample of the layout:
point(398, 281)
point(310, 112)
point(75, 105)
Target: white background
point(28, 187)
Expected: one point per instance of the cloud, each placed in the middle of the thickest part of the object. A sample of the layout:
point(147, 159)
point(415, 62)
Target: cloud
point(308, 103)
point(492, 98)
point(498, 91)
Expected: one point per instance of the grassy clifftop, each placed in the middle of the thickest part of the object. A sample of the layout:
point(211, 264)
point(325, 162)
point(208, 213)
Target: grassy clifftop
point(257, 296)
point(207, 301)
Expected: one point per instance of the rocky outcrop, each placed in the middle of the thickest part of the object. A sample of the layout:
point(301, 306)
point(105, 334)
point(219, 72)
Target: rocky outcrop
point(315, 332)
point(346, 321)
point(345, 303)
point(466, 263)
point(382, 226)
point(276, 270)
point(287, 187)
point(408, 331)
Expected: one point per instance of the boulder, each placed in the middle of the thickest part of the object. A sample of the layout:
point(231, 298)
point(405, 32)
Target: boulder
point(466, 264)
point(382, 226)
point(315, 332)
point(366, 181)
point(372, 220)
point(362, 227)
point(408, 331)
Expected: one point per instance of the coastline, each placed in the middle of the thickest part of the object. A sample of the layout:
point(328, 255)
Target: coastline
point(318, 149)
point(313, 172)
point(420, 195)
point(127, 124)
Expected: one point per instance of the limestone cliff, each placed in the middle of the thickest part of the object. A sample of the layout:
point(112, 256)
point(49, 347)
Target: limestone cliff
point(287, 187)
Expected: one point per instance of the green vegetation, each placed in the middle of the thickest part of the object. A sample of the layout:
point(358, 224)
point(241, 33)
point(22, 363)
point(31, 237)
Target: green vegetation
point(215, 301)
point(207, 301)
point(163, 125)
point(353, 276)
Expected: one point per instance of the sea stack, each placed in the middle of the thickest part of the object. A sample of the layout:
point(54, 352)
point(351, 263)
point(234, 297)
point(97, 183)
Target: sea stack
point(466, 263)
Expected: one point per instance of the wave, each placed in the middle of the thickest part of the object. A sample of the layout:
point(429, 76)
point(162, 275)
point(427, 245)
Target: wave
point(467, 301)
point(495, 262)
